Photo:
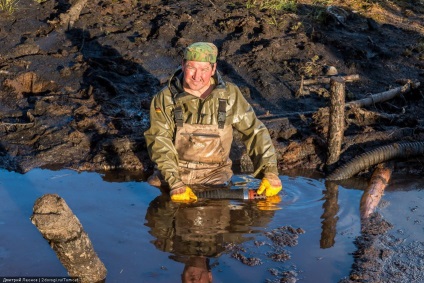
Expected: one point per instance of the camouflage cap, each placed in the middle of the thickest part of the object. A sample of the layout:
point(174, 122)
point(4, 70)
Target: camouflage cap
point(201, 52)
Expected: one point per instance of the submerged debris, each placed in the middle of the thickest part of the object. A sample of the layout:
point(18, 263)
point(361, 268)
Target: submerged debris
point(288, 276)
point(282, 256)
point(281, 237)
point(285, 236)
point(251, 261)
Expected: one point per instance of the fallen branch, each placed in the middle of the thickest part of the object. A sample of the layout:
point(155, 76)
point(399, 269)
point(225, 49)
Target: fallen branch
point(326, 80)
point(383, 96)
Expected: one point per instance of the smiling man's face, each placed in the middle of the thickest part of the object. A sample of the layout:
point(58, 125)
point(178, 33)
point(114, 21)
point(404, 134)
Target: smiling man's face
point(197, 76)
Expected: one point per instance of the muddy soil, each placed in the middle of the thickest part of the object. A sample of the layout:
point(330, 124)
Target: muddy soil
point(75, 94)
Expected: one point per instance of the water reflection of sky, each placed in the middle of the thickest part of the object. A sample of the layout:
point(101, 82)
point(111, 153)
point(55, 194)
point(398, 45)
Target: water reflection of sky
point(140, 237)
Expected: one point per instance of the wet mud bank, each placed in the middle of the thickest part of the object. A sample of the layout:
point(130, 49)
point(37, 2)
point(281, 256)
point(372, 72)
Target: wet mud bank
point(75, 94)
point(383, 256)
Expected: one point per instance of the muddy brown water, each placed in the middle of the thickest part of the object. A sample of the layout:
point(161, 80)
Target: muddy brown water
point(141, 237)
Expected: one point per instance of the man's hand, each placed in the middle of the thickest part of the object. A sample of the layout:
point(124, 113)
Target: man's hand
point(183, 194)
point(271, 185)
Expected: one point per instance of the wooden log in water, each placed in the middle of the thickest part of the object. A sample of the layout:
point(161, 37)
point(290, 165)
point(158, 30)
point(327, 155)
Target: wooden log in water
point(375, 190)
point(65, 234)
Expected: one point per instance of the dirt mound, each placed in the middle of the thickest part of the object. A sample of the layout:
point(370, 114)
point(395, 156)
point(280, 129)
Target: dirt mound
point(76, 94)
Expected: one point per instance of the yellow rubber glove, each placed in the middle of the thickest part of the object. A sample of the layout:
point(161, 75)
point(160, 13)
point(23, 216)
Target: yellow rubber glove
point(270, 184)
point(183, 194)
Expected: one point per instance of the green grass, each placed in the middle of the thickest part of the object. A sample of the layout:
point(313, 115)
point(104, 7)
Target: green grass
point(8, 6)
point(275, 5)
point(322, 2)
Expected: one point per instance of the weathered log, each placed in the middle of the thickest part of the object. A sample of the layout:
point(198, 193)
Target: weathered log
point(383, 96)
point(326, 80)
point(336, 123)
point(375, 190)
point(65, 234)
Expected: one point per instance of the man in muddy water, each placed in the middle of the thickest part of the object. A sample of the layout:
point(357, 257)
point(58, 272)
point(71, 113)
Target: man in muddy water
point(191, 129)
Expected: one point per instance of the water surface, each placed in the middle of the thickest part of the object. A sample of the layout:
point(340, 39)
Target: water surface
point(142, 237)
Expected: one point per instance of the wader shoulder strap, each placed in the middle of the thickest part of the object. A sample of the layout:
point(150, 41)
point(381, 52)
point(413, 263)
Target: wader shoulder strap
point(178, 115)
point(222, 113)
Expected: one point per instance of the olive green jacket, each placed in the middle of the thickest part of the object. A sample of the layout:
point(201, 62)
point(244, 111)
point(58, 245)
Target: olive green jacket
point(239, 113)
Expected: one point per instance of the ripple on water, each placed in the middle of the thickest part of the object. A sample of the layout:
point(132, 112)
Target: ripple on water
point(301, 194)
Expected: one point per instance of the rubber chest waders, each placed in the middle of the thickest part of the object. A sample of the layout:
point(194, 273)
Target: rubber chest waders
point(203, 150)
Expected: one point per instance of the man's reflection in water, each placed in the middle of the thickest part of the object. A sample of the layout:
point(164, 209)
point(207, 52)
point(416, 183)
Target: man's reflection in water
point(195, 232)
point(197, 269)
